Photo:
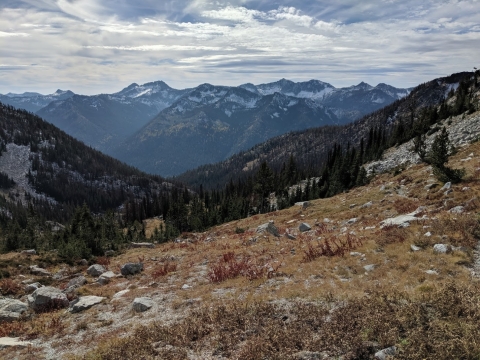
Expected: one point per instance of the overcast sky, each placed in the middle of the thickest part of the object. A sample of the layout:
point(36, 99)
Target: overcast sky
point(101, 46)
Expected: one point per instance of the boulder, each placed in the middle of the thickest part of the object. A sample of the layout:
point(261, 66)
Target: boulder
point(384, 353)
point(96, 270)
point(35, 270)
point(11, 309)
point(442, 249)
point(6, 342)
point(142, 245)
point(47, 297)
point(269, 228)
point(142, 304)
point(131, 268)
point(77, 282)
point(304, 227)
point(84, 303)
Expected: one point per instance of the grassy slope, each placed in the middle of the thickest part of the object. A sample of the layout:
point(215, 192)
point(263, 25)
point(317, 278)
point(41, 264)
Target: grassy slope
point(297, 304)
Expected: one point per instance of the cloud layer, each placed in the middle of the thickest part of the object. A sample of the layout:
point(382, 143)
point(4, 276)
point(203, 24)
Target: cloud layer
point(94, 46)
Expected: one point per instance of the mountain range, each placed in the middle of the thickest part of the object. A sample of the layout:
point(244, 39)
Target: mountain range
point(166, 131)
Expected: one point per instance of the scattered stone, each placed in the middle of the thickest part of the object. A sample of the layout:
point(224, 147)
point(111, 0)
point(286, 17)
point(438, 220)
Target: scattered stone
point(369, 268)
point(120, 294)
point(105, 277)
point(327, 220)
point(447, 186)
point(291, 221)
point(351, 221)
point(32, 287)
point(442, 248)
point(142, 304)
point(370, 227)
point(352, 206)
point(384, 353)
point(83, 262)
point(304, 227)
point(142, 245)
point(186, 287)
point(11, 309)
point(427, 234)
point(404, 220)
point(303, 204)
point(466, 188)
point(47, 297)
point(431, 272)
point(431, 186)
point(109, 253)
point(354, 253)
point(29, 252)
point(77, 282)
point(457, 210)
point(84, 303)
point(290, 236)
point(35, 270)
point(415, 248)
point(268, 227)
point(96, 270)
point(367, 205)
point(6, 342)
point(131, 268)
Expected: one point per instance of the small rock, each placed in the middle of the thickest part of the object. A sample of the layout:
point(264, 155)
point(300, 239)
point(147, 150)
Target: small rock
point(384, 353)
point(32, 287)
point(327, 220)
point(354, 253)
point(142, 304)
point(96, 270)
point(447, 186)
point(84, 303)
point(35, 270)
point(352, 221)
point(449, 191)
point(47, 297)
point(442, 249)
point(427, 234)
point(369, 268)
point(120, 294)
point(268, 227)
point(466, 188)
point(186, 287)
point(105, 277)
point(304, 227)
point(109, 253)
point(457, 210)
point(77, 282)
point(83, 262)
point(29, 252)
point(367, 205)
point(131, 268)
point(415, 248)
point(290, 236)
point(431, 186)
point(352, 206)
point(431, 272)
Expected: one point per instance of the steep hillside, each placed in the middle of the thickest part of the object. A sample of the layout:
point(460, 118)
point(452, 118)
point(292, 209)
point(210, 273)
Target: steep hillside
point(311, 147)
point(60, 173)
point(390, 268)
point(34, 101)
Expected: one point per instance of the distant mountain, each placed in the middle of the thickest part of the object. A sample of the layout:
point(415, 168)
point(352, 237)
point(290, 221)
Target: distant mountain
point(210, 123)
point(311, 146)
point(33, 102)
point(103, 120)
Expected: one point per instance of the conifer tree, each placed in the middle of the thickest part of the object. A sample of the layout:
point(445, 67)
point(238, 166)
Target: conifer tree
point(438, 157)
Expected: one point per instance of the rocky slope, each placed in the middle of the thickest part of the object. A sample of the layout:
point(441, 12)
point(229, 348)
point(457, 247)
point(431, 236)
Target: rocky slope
point(360, 274)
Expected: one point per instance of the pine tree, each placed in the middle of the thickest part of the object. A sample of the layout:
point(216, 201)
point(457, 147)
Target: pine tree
point(438, 157)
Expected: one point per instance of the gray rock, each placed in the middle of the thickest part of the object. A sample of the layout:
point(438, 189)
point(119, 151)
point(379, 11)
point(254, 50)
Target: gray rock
point(431, 186)
point(96, 270)
point(142, 304)
point(415, 248)
point(131, 268)
point(47, 297)
point(11, 309)
point(367, 205)
point(447, 186)
point(77, 282)
point(83, 262)
point(109, 253)
point(6, 342)
point(351, 221)
point(449, 191)
point(457, 210)
point(290, 236)
point(35, 270)
point(427, 234)
point(186, 287)
point(84, 303)
point(304, 227)
point(142, 245)
point(382, 354)
point(369, 268)
point(442, 248)
point(269, 228)
point(119, 294)
point(105, 277)
point(29, 252)
point(32, 287)
point(431, 272)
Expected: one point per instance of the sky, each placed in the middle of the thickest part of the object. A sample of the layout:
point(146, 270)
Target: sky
point(102, 46)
